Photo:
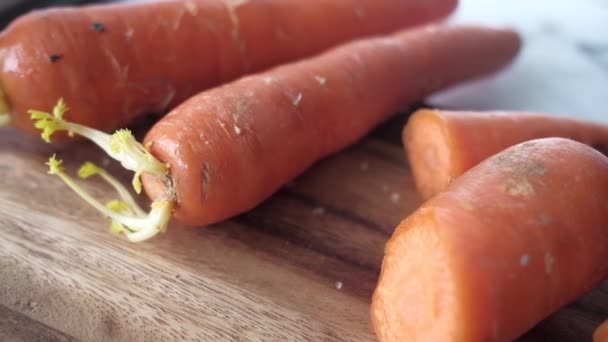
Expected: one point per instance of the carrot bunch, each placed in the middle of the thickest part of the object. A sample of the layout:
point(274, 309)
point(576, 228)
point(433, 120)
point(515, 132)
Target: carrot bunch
point(494, 229)
point(224, 150)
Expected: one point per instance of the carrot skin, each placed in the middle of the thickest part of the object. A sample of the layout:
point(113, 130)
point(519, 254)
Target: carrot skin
point(601, 332)
point(442, 145)
point(233, 146)
point(114, 62)
point(505, 245)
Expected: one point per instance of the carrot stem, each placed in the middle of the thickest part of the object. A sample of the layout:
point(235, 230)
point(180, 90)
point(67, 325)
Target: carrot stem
point(89, 169)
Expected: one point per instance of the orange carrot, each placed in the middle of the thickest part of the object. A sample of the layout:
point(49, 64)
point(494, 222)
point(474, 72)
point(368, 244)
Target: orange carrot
point(442, 145)
point(265, 130)
point(601, 333)
point(233, 146)
point(508, 243)
point(113, 62)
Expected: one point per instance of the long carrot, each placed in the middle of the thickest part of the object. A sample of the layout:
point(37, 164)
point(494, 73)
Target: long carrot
point(442, 145)
point(508, 243)
point(231, 147)
point(601, 332)
point(113, 62)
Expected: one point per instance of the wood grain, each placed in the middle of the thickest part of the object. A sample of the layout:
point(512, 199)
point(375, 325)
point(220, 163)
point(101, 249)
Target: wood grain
point(299, 267)
point(15, 326)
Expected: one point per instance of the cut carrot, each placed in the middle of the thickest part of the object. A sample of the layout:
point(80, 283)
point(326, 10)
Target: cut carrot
point(442, 145)
point(508, 243)
point(114, 62)
point(231, 147)
point(601, 333)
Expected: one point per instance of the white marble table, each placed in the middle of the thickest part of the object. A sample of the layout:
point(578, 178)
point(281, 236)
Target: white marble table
point(563, 66)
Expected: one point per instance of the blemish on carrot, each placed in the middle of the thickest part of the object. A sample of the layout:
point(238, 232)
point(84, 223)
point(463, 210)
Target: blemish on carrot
point(268, 80)
point(178, 20)
point(231, 7)
point(129, 33)
point(318, 211)
point(191, 7)
point(395, 197)
point(467, 205)
point(339, 285)
point(205, 180)
point(55, 58)
point(525, 260)
point(121, 71)
point(357, 58)
point(538, 169)
point(518, 187)
point(280, 34)
point(359, 12)
point(545, 219)
point(322, 80)
point(99, 27)
point(296, 101)
point(223, 126)
point(549, 261)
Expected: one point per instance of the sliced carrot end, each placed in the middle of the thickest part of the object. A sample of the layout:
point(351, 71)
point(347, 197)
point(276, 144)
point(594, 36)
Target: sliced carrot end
point(428, 151)
point(416, 296)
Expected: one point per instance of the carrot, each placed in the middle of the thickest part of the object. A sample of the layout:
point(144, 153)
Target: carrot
point(442, 145)
point(233, 146)
point(601, 333)
point(114, 62)
point(509, 242)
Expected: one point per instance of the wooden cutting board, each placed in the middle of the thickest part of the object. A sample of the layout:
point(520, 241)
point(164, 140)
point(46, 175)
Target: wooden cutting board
point(300, 267)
